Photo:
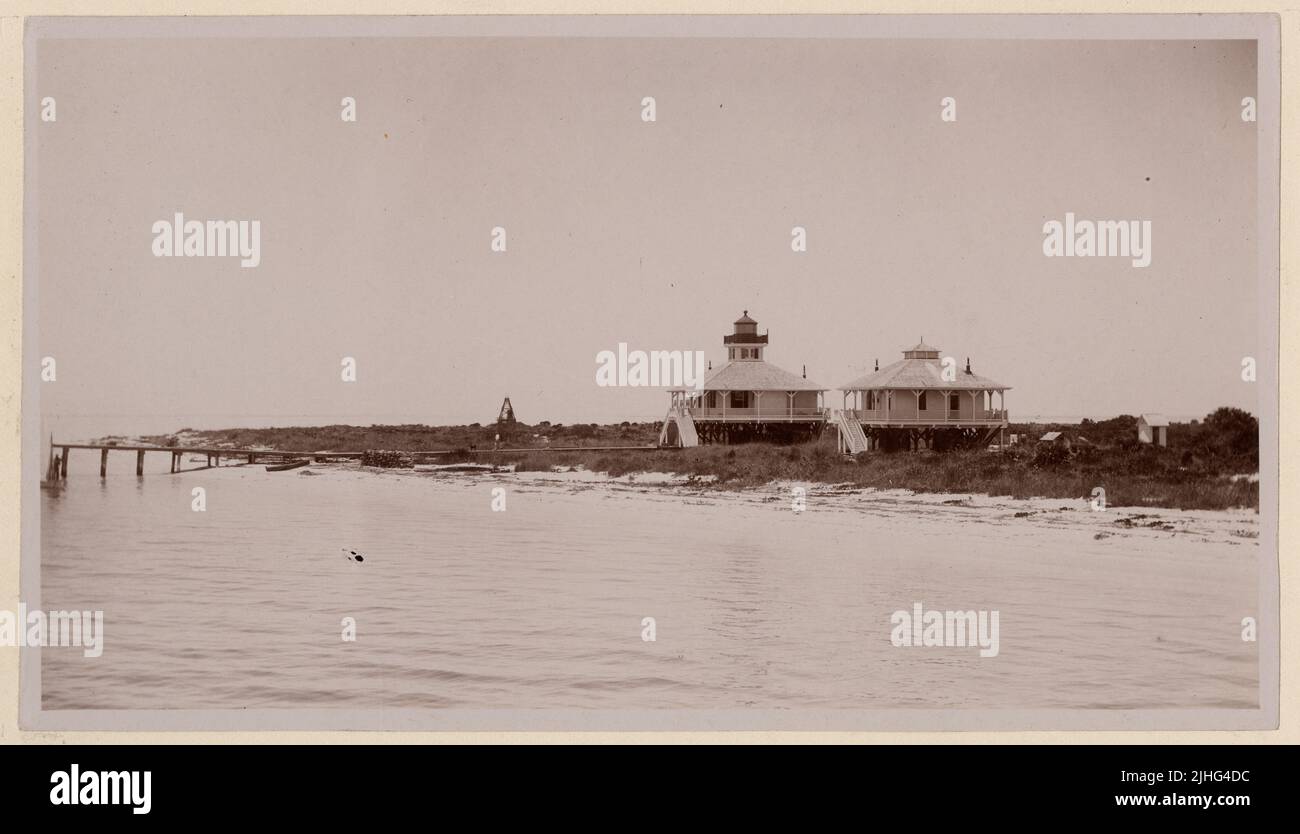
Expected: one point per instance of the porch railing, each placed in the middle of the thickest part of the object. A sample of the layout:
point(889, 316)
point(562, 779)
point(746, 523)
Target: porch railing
point(798, 413)
point(988, 415)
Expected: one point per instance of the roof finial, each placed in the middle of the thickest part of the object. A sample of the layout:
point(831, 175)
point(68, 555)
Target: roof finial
point(805, 371)
point(967, 364)
point(744, 312)
point(877, 364)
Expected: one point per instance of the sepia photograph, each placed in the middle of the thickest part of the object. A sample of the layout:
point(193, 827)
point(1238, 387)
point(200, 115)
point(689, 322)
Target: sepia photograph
point(650, 373)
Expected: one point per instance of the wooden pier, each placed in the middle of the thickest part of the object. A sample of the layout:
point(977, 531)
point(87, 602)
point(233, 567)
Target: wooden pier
point(58, 463)
point(57, 468)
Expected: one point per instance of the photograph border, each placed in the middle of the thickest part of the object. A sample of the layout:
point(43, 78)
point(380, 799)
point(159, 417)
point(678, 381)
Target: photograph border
point(34, 723)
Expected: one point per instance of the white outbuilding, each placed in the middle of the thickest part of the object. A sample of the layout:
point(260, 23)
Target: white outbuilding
point(1153, 428)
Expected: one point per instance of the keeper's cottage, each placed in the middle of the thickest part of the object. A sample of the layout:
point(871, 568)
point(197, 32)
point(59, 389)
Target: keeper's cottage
point(921, 402)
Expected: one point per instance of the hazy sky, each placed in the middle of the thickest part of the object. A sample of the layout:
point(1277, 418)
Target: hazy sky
point(375, 235)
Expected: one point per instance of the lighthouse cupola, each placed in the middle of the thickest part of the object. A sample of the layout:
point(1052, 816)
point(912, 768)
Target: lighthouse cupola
point(744, 343)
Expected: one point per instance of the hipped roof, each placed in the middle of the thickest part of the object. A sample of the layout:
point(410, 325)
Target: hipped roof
point(923, 374)
point(755, 375)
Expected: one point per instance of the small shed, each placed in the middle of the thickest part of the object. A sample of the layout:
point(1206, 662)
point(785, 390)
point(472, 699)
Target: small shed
point(1153, 428)
point(1055, 438)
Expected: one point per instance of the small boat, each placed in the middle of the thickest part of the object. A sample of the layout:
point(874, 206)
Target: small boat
point(293, 464)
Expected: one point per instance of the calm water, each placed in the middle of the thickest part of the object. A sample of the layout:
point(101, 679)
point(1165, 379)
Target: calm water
point(541, 605)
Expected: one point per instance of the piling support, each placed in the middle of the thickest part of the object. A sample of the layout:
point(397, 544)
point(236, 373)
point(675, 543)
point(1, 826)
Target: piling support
point(63, 464)
point(139, 463)
point(103, 462)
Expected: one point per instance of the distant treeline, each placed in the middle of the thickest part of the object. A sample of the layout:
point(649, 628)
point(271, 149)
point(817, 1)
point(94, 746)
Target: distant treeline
point(1226, 441)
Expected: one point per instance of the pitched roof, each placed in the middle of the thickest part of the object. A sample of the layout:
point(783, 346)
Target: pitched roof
point(745, 319)
point(751, 375)
point(1155, 419)
point(920, 374)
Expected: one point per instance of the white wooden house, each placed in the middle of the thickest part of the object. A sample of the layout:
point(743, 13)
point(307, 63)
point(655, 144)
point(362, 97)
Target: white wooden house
point(921, 402)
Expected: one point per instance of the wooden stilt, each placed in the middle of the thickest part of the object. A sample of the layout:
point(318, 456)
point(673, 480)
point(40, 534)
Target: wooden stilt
point(103, 462)
point(139, 464)
point(63, 464)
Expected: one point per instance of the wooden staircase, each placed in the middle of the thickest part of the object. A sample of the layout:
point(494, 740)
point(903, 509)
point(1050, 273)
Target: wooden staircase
point(687, 436)
point(852, 439)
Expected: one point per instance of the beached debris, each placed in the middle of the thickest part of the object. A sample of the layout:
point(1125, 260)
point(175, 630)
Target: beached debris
point(386, 460)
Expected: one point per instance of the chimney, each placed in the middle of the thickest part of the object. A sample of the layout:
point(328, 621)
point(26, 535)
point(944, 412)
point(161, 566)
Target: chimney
point(805, 371)
point(877, 364)
point(967, 364)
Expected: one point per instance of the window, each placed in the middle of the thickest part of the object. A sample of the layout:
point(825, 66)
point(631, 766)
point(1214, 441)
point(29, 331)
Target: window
point(739, 399)
point(954, 402)
point(731, 353)
point(921, 402)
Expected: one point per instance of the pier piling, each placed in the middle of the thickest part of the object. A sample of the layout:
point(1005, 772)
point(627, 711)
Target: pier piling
point(103, 462)
point(139, 463)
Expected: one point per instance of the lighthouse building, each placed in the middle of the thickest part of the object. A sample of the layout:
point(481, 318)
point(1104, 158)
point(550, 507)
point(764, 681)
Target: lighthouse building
point(745, 399)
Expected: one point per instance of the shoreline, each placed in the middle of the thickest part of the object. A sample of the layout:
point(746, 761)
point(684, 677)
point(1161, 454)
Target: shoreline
point(1232, 525)
point(1211, 465)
